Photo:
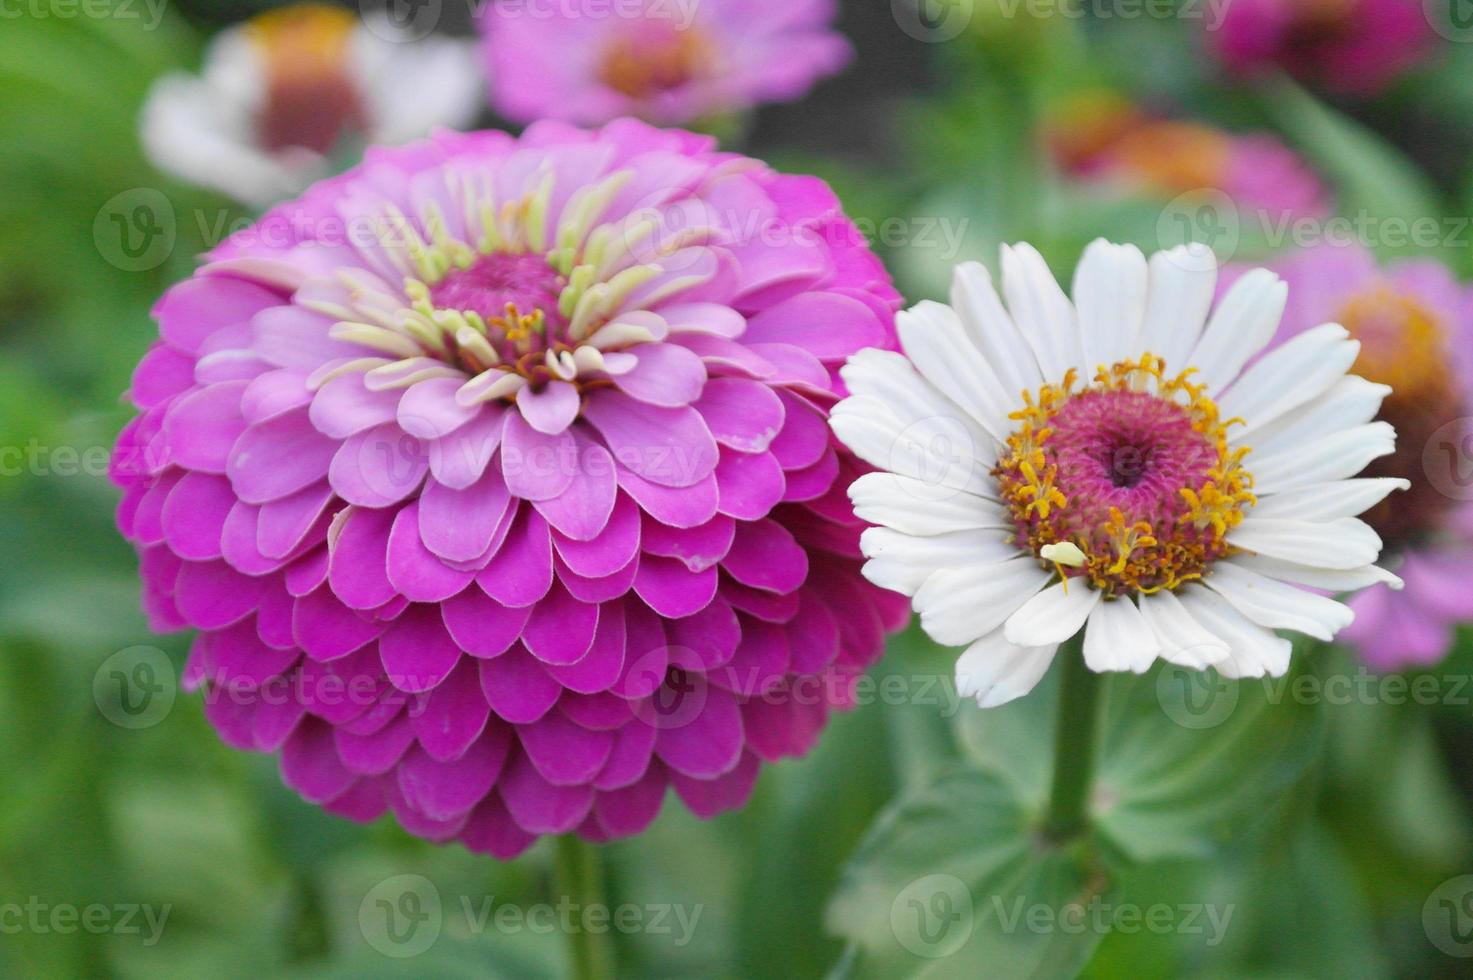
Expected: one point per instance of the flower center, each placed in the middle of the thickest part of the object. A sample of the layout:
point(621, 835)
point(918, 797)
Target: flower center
point(311, 101)
point(1403, 345)
point(1175, 157)
point(657, 59)
point(507, 300)
point(1132, 470)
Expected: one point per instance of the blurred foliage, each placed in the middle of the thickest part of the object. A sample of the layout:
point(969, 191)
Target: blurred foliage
point(1340, 819)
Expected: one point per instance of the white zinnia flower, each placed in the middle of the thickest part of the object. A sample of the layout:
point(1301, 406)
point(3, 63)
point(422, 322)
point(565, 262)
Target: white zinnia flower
point(283, 91)
point(1115, 465)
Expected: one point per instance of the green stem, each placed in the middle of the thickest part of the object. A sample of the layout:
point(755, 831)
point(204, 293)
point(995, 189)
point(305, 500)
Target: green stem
point(578, 872)
point(1075, 735)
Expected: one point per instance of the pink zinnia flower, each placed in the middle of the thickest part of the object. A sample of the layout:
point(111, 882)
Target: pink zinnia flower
point(1353, 46)
point(1413, 320)
point(1103, 139)
point(495, 477)
point(672, 63)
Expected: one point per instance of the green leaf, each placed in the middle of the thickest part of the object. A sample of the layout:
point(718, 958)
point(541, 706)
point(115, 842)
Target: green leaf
point(952, 881)
point(1190, 759)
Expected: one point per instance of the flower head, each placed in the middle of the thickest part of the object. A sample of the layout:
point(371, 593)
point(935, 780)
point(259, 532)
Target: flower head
point(669, 63)
point(1110, 465)
point(286, 90)
point(1353, 46)
point(1101, 138)
point(494, 475)
point(1413, 322)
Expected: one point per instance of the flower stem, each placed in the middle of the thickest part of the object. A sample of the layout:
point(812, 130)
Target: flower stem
point(579, 876)
point(1075, 734)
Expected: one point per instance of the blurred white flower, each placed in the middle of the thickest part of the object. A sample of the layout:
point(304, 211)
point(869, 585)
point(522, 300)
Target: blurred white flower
point(282, 94)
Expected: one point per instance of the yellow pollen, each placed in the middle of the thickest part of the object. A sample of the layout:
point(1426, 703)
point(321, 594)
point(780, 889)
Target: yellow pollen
point(1121, 556)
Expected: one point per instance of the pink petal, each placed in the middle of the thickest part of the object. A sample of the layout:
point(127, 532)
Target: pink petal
point(455, 715)
point(551, 408)
point(665, 374)
point(537, 466)
point(601, 666)
point(203, 427)
point(827, 325)
point(517, 686)
point(413, 569)
point(670, 447)
point(521, 572)
point(561, 629)
point(614, 547)
point(379, 466)
point(749, 486)
point(482, 626)
point(745, 415)
point(582, 510)
point(442, 790)
point(459, 525)
point(358, 569)
point(564, 753)
point(277, 458)
point(194, 515)
point(417, 651)
point(765, 556)
point(707, 742)
point(672, 589)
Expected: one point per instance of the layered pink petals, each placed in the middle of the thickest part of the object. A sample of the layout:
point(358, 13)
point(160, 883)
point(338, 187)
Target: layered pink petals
point(536, 613)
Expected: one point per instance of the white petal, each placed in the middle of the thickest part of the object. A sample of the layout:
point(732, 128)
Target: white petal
point(935, 341)
point(1328, 501)
point(901, 562)
point(1331, 457)
point(1110, 300)
point(959, 605)
point(1337, 580)
point(992, 329)
point(1244, 321)
point(1182, 283)
point(1351, 401)
point(412, 88)
point(1278, 605)
point(1254, 650)
point(1183, 640)
point(898, 422)
point(994, 671)
point(1345, 543)
point(1053, 615)
point(192, 131)
point(917, 508)
point(1292, 375)
point(1118, 638)
point(1041, 310)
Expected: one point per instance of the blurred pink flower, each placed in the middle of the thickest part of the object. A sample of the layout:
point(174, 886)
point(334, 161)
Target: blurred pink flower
point(671, 63)
point(1101, 138)
point(1415, 325)
point(1351, 46)
point(494, 475)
